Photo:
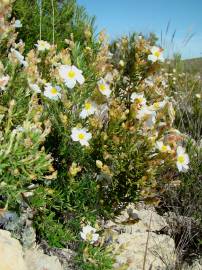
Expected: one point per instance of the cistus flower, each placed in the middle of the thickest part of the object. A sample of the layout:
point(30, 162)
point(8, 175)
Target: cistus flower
point(35, 87)
point(89, 234)
point(19, 57)
point(158, 105)
point(17, 24)
point(162, 147)
point(4, 81)
point(104, 88)
point(147, 115)
point(81, 135)
point(71, 75)
point(52, 92)
point(89, 108)
point(182, 159)
point(139, 98)
point(42, 45)
point(156, 54)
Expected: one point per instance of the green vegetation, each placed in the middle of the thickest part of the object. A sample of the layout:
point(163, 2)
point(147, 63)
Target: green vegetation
point(88, 126)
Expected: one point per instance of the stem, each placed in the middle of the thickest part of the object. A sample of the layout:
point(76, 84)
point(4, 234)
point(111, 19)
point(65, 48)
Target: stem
point(53, 15)
point(40, 15)
point(146, 248)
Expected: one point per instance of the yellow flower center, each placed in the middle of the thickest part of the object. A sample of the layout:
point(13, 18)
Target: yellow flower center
point(102, 87)
point(157, 53)
point(81, 136)
point(164, 148)
point(88, 105)
point(181, 159)
point(140, 100)
point(156, 105)
point(71, 74)
point(89, 236)
point(54, 91)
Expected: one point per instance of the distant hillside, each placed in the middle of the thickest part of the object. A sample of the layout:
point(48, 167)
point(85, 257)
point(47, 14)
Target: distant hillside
point(193, 65)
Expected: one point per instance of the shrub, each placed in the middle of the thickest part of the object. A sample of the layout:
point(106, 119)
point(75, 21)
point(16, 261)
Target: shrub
point(53, 21)
point(111, 123)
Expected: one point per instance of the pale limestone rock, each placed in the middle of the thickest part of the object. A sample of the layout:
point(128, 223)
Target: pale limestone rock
point(129, 240)
point(131, 251)
point(36, 260)
point(144, 215)
point(11, 254)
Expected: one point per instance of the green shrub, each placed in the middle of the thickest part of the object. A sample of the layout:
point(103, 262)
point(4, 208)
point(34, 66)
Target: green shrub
point(105, 120)
point(67, 18)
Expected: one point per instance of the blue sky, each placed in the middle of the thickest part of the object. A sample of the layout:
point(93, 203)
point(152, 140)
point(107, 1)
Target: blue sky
point(120, 17)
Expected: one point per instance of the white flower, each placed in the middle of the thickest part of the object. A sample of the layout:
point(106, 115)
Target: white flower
point(89, 108)
point(158, 105)
point(35, 87)
point(147, 115)
point(17, 24)
point(104, 88)
point(156, 54)
point(81, 135)
point(182, 159)
point(139, 98)
point(42, 45)
point(89, 234)
point(71, 75)
point(162, 147)
point(52, 92)
point(19, 57)
point(4, 81)
point(198, 95)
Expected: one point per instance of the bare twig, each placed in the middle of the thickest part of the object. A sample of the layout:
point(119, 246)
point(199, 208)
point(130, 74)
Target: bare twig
point(147, 243)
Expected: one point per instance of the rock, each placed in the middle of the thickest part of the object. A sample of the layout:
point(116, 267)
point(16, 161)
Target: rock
point(132, 249)
point(12, 256)
point(11, 253)
point(65, 255)
point(136, 232)
point(36, 260)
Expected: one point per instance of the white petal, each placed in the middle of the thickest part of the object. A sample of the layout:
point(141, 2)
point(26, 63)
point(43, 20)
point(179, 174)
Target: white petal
point(95, 238)
point(155, 49)
point(186, 157)
point(83, 235)
point(76, 70)
point(159, 144)
point(70, 83)
point(63, 70)
point(88, 229)
point(180, 150)
point(152, 58)
point(88, 136)
point(83, 114)
point(185, 168)
point(80, 78)
point(179, 166)
point(84, 142)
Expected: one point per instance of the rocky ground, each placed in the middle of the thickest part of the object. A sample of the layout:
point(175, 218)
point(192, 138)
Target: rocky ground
point(139, 238)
